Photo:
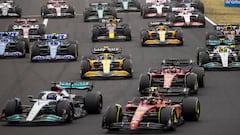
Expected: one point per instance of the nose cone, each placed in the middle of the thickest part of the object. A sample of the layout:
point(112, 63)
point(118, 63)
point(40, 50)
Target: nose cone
point(134, 125)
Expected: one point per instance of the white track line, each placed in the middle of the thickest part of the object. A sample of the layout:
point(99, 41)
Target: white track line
point(210, 21)
point(45, 22)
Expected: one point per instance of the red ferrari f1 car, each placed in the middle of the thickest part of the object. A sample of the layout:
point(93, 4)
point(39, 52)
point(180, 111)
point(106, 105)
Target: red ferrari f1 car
point(152, 112)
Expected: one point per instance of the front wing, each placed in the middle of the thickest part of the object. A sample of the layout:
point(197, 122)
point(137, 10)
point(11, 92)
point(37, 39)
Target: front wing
point(218, 66)
point(115, 38)
point(190, 24)
point(101, 74)
point(166, 42)
point(49, 58)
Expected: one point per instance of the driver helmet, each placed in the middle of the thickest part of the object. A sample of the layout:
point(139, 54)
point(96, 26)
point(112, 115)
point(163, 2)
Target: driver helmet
point(172, 69)
point(56, 88)
point(228, 27)
point(152, 101)
point(52, 96)
point(54, 36)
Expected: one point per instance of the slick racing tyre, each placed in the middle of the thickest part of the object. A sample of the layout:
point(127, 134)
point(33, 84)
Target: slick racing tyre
point(95, 32)
point(73, 50)
point(86, 14)
point(41, 30)
point(168, 117)
point(144, 36)
point(65, 110)
point(35, 51)
point(112, 115)
point(200, 75)
point(127, 66)
point(192, 83)
point(44, 11)
point(85, 67)
point(21, 47)
point(203, 58)
point(144, 84)
point(127, 33)
point(10, 27)
point(71, 10)
point(13, 107)
point(18, 10)
point(191, 109)
point(93, 102)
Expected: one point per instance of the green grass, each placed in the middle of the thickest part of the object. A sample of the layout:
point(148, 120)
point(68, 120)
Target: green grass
point(215, 10)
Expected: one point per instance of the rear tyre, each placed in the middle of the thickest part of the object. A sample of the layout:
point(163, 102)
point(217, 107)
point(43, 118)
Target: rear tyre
point(73, 50)
point(144, 84)
point(191, 109)
point(20, 47)
point(192, 83)
point(200, 75)
point(203, 58)
point(144, 36)
point(93, 102)
point(127, 66)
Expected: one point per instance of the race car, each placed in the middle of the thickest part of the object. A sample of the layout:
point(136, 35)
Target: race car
point(111, 30)
point(154, 1)
point(97, 11)
point(11, 45)
point(106, 62)
point(28, 29)
point(220, 57)
point(8, 8)
point(224, 34)
point(57, 105)
point(52, 47)
point(154, 10)
point(186, 17)
point(126, 5)
point(151, 112)
point(57, 8)
point(174, 77)
point(160, 33)
point(197, 4)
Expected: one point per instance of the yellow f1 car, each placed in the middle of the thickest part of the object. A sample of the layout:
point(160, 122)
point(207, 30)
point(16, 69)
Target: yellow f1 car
point(106, 63)
point(159, 33)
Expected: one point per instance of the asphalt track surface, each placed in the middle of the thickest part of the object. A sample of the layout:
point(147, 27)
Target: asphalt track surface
point(18, 78)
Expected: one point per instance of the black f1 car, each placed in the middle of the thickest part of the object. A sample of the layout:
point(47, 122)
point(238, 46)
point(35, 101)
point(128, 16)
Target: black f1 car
point(111, 30)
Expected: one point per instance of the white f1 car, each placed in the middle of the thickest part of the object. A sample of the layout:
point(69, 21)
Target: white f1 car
point(8, 8)
point(55, 105)
point(222, 57)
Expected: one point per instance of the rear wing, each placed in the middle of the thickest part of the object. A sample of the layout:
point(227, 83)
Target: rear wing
point(76, 85)
point(98, 3)
point(32, 20)
point(8, 1)
point(156, 23)
point(177, 62)
point(220, 27)
point(55, 36)
point(9, 33)
point(106, 49)
point(55, 1)
point(106, 20)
